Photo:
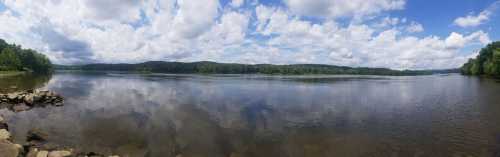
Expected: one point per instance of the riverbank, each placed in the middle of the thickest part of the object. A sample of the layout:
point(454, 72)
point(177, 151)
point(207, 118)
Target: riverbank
point(36, 144)
point(22, 101)
point(11, 73)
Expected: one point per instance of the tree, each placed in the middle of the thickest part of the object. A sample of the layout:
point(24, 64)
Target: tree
point(15, 58)
point(9, 60)
point(487, 63)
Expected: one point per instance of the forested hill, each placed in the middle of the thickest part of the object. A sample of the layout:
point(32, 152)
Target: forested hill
point(487, 63)
point(15, 58)
point(227, 68)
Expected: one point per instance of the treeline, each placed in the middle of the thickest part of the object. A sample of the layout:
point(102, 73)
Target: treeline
point(487, 63)
point(15, 58)
point(226, 68)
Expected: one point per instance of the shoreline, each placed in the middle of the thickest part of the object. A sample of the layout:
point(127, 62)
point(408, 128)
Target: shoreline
point(11, 73)
point(36, 144)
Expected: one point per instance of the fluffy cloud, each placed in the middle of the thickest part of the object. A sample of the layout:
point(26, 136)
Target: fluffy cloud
point(342, 8)
point(186, 30)
point(456, 40)
point(237, 3)
point(193, 17)
point(122, 10)
point(415, 27)
point(476, 20)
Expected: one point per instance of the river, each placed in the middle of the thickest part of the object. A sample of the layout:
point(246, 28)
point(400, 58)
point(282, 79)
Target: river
point(161, 115)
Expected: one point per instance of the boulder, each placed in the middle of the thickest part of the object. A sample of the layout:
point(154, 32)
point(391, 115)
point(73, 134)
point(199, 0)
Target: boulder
point(7, 149)
point(4, 125)
point(32, 153)
point(12, 96)
point(42, 153)
point(36, 135)
point(4, 134)
point(28, 99)
point(59, 153)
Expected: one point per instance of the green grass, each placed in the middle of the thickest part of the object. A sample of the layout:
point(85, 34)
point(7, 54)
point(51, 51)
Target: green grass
point(11, 73)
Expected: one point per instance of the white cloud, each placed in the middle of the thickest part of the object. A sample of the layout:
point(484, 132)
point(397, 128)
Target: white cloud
point(193, 17)
point(364, 45)
point(122, 10)
point(415, 28)
point(343, 8)
point(476, 20)
point(237, 3)
point(186, 30)
point(471, 21)
point(456, 40)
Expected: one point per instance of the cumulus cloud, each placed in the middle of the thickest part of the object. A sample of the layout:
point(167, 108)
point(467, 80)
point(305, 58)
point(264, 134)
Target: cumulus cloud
point(237, 3)
point(122, 10)
point(415, 27)
point(193, 17)
point(456, 40)
point(476, 20)
point(343, 8)
point(72, 49)
point(186, 30)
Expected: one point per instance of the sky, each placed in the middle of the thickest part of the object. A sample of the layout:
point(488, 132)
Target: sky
point(397, 34)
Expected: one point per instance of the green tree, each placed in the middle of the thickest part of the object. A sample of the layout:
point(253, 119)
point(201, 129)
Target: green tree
point(14, 58)
point(9, 60)
point(487, 63)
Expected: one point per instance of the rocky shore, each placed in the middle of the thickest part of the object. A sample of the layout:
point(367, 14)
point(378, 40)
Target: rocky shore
point(22, 101)
point(36, 144)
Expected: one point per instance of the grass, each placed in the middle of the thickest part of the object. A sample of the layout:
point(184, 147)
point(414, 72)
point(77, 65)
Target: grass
point(11, 73)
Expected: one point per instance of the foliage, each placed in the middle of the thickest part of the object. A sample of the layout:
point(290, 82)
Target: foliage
point(487, 63)
point(226, 68)
point(15, 58)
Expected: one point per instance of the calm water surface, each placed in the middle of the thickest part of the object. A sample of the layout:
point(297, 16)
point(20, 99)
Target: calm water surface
point(269, 116)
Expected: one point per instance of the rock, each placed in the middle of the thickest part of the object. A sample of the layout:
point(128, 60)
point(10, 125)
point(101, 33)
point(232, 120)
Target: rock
point(37, 98)
point(28, 99)
point(4, 134)
point(32, 153)
point(36, 135)
point(19, 147)
point(7, 149)
point(90, 154)
point(60, 153)
point(4, 126)
point(42, 153)
point(46, 145)
point(12, 96)
point(20, 107)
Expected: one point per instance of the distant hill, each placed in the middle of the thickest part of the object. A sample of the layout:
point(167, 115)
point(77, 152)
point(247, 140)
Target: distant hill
point(230, 68)
point(487, 63)
point(15, 58)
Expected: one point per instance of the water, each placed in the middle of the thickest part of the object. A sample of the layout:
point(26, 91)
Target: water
point(270, 116)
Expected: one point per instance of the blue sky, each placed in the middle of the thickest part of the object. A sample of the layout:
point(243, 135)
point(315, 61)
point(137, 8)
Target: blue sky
point(398, 34)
